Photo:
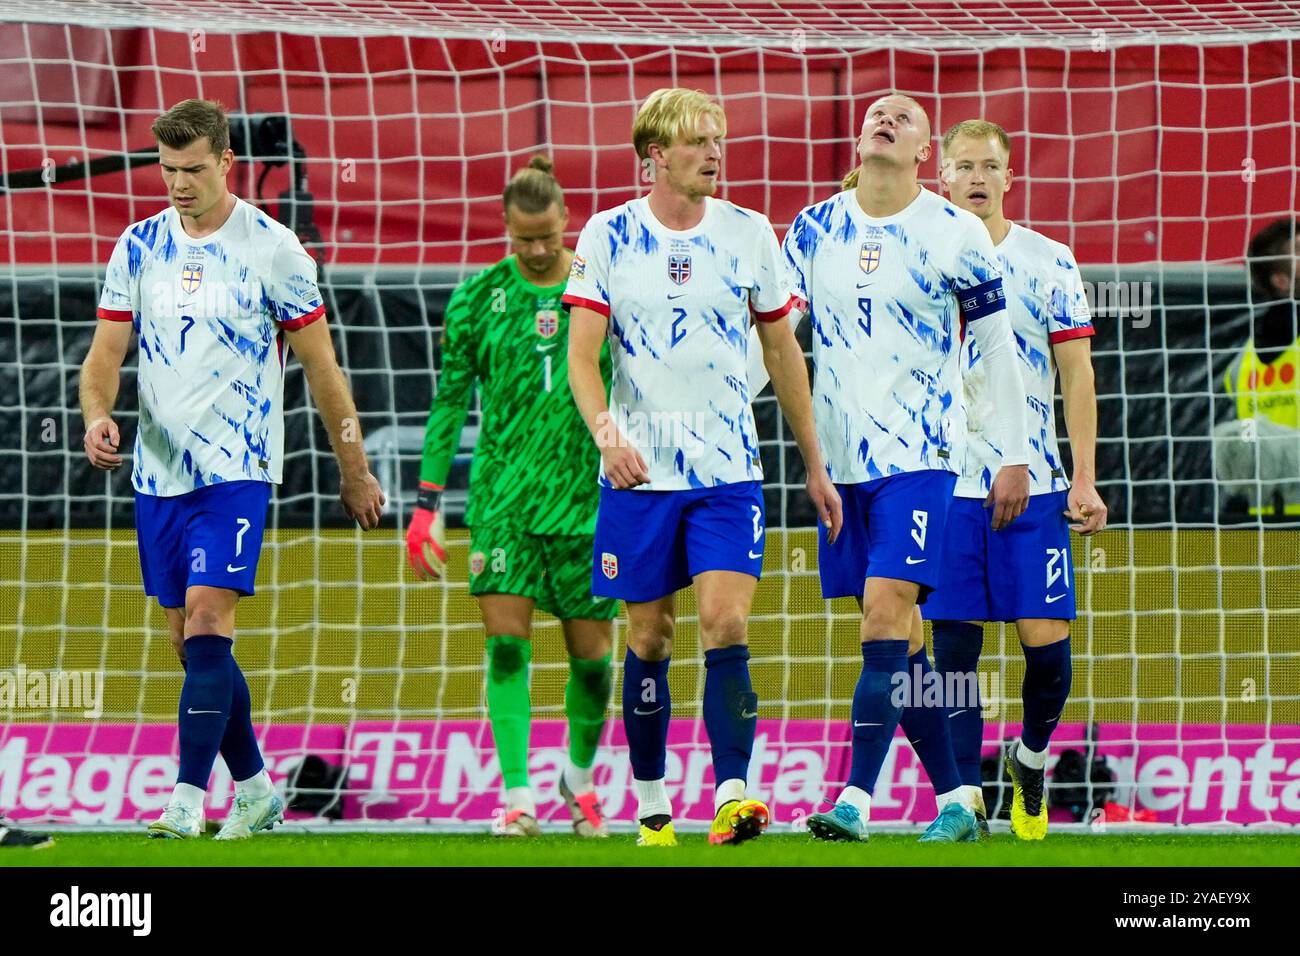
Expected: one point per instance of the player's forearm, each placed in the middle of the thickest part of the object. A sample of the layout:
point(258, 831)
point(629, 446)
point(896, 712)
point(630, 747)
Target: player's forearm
point(333, 398)
point(1079, 394)
point(589, 394)
point(785, 363)
point(998, 353)
point(97, 389)
point(441, 439)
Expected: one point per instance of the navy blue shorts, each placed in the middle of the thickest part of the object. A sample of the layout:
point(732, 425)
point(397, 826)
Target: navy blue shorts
point(650, 544)
point(1022, 571)
point(893, 528)
point(211, 536)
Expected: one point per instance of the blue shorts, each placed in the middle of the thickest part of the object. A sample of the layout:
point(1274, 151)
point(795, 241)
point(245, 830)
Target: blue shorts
point(211, 536)
point(893, 528)
point(650, 544)
point(1022, 571)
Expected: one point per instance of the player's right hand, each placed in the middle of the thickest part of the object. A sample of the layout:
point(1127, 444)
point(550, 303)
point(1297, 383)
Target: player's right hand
point(100, 443)
point(1009, 496)
point(426, 538)
point(624, 466)
point(363, 500)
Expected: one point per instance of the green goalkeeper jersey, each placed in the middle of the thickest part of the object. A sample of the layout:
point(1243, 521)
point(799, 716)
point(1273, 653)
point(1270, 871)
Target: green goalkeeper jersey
point(535, 466)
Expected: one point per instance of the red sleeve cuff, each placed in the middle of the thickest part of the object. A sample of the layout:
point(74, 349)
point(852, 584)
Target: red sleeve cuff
point(113, 315)
point(430, 486)
point(1064, 335)
point(775, 313)
point(593, 304)
point(293, 325)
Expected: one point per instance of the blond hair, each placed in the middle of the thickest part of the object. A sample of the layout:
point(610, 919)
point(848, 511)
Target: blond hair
point(534, 189)
point(189, 120)
point(671, 115)
point(976, 129)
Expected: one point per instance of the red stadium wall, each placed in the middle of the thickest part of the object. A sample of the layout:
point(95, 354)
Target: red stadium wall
point(1173, 153)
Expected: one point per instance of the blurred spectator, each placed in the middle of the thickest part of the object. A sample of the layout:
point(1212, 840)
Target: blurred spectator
point(1257, 454)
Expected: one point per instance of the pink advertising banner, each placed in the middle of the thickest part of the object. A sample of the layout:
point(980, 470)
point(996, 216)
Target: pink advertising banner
point(447, 770)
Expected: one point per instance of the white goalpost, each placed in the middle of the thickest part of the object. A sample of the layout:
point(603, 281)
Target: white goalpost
point(1153, 138)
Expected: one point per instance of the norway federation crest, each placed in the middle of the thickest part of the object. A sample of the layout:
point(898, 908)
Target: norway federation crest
point(679, 269)
point(191, 277)
point(869, 257)
point(609, 564)
point(548, 323)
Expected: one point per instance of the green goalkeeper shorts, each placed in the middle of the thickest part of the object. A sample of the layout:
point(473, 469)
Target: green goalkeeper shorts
point(553, 570)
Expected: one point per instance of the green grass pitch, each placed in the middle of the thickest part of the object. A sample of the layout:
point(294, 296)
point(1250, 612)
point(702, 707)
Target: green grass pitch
point(426, 849)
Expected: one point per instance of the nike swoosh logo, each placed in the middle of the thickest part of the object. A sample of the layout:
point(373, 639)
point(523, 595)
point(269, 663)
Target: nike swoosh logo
point(231, 569)
point(955, 713)
point(863, 285)
point(193, 711)
point(546, 348)
point(1052, 600)
point(646, 713)
point(755, 557)
point(916, 560)
point(677, 296)
point(749, 716)
point(857, 724)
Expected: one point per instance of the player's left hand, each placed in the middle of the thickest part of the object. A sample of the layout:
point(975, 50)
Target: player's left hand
point(830, 510)
point(363, 500)
point(1009, 495)
point(1087, 510)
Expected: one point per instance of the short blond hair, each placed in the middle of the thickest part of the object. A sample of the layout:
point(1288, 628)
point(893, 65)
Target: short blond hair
point(976, 129)
point(672, 114)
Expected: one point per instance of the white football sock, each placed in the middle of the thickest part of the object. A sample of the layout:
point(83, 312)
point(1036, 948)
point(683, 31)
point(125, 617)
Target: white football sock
point(975, 798)
point(521, 798)
point(652, 798)
point(1030, 759)
point(858, 798)
point(959, 795)
point(257, 786)
point(578, 779)
point(189, 795)
point(727, 791)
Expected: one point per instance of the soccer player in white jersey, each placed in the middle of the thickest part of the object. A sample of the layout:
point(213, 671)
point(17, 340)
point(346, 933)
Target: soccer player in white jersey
point(673, 279)
point(893, 276)
point(1022, 573)
point(213, 288)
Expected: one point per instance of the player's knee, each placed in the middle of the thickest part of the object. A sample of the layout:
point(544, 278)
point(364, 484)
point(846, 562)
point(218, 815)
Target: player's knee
point(506, 657)
point(915, 642)
point(651, 640)
point(724, 630)
point(203, 619)
point(177, 637)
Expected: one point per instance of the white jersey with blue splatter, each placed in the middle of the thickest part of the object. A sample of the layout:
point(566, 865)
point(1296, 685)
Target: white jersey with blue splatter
point(679, 305)
point(886, 329)
point(1047, 305)
point(209, 314)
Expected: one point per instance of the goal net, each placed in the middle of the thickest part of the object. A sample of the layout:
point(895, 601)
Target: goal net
point(1154, 138)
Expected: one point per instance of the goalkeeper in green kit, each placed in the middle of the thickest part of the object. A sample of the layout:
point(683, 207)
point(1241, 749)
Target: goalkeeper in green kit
point(532, 493)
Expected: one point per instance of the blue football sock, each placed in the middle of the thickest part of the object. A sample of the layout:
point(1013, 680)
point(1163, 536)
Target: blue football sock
point(927, 727)
point(1045, 689)
point(646, 709)
point(239, 745)
point(875, 715)
point(205, 706)
point(957, 646)
point(730, 711)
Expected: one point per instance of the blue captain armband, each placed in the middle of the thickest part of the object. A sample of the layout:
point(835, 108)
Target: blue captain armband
point(982, 300)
